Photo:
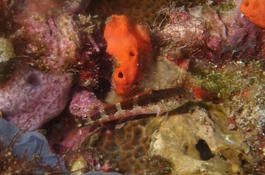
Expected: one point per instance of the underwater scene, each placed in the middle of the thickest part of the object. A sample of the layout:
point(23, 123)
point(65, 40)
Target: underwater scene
point(134, 87)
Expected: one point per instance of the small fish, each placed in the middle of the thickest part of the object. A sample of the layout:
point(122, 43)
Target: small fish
point(151, 102)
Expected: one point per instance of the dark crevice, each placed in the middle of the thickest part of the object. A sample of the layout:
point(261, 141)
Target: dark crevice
point(33, 79)
point(204, 150)
point(120, 75)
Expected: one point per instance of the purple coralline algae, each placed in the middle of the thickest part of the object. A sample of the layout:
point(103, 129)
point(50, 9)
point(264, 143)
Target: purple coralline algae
point(84, 104)
point(32, 97)
point(218, 33)
point(51, 36)
point(44, 35)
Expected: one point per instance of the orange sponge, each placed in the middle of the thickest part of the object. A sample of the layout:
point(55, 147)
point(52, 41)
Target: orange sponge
point(130, 45)
point(254, 10)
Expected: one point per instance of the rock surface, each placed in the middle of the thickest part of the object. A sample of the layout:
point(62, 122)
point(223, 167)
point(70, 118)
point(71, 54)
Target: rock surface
point(194, 143)
point(205, 32)
point(84, 104)
point(32, 97)
point(47, 33)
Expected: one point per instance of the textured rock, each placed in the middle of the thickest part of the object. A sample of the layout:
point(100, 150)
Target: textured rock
point(47, 35)
point(32, 97)
point(184, 27)
point(163, 74)
point(241, 33)
point(84, 104)
point(220, 34)
point(6, 58)
point(194, 142)
point(6, 50)
point(73, 6)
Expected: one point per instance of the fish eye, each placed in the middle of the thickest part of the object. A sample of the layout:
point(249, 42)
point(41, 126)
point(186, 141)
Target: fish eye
point(120, 75)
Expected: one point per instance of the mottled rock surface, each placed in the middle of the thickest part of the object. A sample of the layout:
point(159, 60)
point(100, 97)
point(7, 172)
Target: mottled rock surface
point(206, 32)
point(195, 143)
point(32, 97)
point(6, 57)
point(48, 34)
point(84, 104)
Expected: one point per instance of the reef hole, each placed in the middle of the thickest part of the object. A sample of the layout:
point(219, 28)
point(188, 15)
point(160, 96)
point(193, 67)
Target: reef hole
point(33, 79)
point(120, 75)
point(131, 53)
point(204, 150)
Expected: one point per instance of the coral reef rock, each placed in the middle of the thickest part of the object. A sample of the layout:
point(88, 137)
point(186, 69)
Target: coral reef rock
point(48, 35)
point(217, 33)
point(6, 50)
point(197, 143)
point(126, 147)
point(163, 74)
point(6, 57)
point(84, 104)
point(31, 97)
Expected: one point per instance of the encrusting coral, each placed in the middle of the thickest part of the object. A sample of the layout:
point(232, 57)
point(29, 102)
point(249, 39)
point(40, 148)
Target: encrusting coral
point(221, 34)
point(31, 97)
point(84, 103)
point(48, 41)
point(130, 45)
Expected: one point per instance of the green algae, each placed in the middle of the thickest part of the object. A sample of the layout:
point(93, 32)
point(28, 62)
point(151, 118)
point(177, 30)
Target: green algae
point(225, 6)
point(220, 84)
point(240, 85)
point(217, 83)
point(88, 24)
point(229, 80)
